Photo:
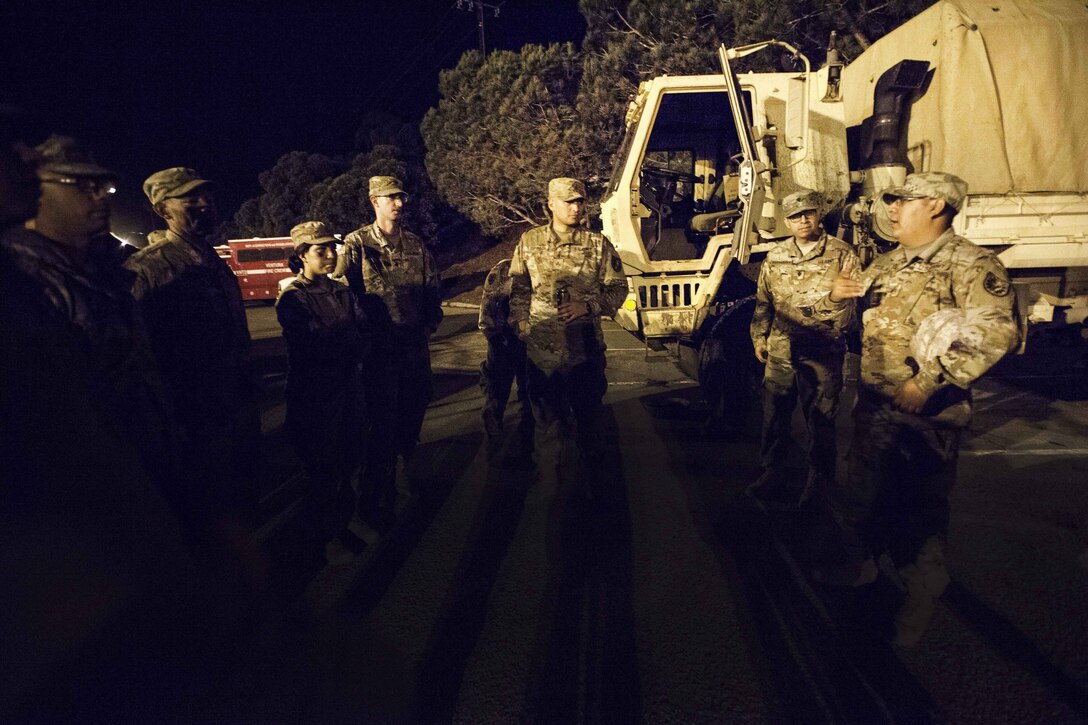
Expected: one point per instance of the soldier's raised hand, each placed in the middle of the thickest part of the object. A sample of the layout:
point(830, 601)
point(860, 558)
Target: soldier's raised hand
point(845, 286)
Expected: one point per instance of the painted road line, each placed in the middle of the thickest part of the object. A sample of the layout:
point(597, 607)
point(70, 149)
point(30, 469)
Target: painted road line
point(1025, 452)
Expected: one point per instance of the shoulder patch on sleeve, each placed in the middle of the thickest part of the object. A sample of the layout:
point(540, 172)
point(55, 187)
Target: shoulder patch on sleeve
point(995, 285)
point(617, 265)
point(994, 277)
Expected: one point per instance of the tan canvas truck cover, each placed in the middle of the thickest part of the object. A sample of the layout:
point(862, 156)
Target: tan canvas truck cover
point(1007, 108)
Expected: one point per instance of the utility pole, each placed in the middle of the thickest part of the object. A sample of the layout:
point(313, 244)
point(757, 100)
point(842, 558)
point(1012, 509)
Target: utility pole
point(479, 6)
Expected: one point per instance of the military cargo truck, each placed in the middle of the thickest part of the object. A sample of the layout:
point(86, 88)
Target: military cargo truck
point(990, 91)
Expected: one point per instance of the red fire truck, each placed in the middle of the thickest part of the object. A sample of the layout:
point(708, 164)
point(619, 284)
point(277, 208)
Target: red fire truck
point(259, 264)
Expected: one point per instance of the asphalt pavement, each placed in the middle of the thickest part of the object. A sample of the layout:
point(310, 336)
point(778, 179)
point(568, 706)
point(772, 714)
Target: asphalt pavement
point(504, 595)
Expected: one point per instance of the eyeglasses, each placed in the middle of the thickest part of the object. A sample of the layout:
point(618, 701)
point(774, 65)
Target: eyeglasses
point(87, 186)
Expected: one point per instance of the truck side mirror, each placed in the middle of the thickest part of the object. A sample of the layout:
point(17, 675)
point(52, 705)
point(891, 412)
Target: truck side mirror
point(796, 108)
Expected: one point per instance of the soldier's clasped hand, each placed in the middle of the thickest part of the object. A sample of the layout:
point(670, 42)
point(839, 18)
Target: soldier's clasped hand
point(761, 351)
point(910, 398)
point(571, 311)
point(845, 286)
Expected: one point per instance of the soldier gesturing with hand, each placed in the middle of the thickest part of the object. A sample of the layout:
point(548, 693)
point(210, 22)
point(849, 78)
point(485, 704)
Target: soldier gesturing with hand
point(845, 286)
point(914, 395)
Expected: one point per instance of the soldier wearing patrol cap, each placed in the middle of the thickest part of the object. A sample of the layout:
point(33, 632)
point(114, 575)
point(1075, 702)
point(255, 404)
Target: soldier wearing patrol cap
point(92, 292)
point(914, 397)
point(563, 278)
point(192, 307)
point(327, 345)
point(86, 533)
point(396, 280)
point(803, 353)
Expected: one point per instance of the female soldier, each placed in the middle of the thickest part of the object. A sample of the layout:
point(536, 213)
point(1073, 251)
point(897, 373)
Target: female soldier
point(327, 343)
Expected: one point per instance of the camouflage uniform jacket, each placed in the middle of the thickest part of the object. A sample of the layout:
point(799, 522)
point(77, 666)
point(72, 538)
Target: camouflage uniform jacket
point(588, 268)
point(93, 295)
point(192, 308)
point(952, 272)
point(327, 343)
point(396, 280)
point(323, 324)
point(790, 285)
point(495, 301)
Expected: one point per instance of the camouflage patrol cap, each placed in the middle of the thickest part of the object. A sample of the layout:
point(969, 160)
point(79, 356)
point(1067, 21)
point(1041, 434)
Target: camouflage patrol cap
point(310, 233)
point(172, 183)
point(62, 155)
point(566, 189)
point(803, 200)
point(930, 185)
point(386, 186)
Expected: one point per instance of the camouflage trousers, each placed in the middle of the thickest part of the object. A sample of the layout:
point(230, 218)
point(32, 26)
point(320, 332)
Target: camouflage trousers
point(576, 393)
point(817, 382)
point(327, 431)
point(505, 363)
point(895, 496)
point(399, 387)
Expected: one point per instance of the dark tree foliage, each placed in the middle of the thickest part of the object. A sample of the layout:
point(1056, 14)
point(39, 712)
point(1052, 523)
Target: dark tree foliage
point(509, 122)
point(505, 125)
point(335, 190)
point(285, 197)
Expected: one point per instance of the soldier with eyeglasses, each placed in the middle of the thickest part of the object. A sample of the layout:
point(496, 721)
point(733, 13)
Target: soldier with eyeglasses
point(61, 249)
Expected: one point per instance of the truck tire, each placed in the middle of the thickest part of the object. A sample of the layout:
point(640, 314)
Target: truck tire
point(729, 372)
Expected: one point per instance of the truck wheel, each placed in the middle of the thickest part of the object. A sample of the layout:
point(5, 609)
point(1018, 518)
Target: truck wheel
point(729, 377)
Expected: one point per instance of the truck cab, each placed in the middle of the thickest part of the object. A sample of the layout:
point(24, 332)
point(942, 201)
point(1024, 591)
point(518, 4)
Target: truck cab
point(694, 197)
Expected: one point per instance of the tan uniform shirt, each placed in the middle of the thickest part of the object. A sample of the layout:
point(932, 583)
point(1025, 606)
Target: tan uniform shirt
point(583, 268)
point(901, 293)
point(395, 278)
point(790, 285)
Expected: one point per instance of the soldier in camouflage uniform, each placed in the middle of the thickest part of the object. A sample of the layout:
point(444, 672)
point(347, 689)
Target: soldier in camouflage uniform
point(328, 342)
point(91, 290)
point(192, 307)
point(505, 361)
point(911, 412)
point(563, 278)
point(396, 281)
point(803, 353)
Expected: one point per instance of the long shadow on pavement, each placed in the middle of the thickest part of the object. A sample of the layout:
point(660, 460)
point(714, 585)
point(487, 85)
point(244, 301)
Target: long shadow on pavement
point(814, 669)
point(437, 466)
point(1004, 637)
point(466, 608)
point(585, 669)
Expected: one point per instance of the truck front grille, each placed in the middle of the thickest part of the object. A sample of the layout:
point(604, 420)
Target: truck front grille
point(667, 294)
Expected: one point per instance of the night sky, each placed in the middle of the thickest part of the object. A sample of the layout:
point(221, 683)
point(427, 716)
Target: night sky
point(229, 87)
